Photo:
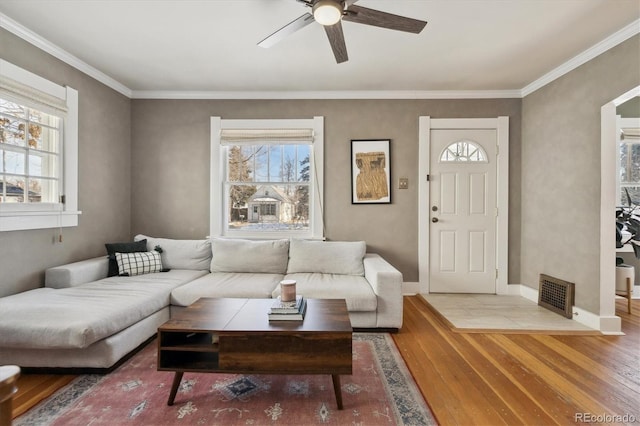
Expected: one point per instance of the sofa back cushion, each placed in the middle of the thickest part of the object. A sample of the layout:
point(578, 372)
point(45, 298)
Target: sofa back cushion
point(235, 255)
point(181, 254)
point(328, 257)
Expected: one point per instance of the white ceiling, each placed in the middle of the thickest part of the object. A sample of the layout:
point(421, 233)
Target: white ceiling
point(468, 45)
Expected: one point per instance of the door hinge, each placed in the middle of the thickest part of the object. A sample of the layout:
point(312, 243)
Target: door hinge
point(496, 274)
point(63, 199)
point(428, 178)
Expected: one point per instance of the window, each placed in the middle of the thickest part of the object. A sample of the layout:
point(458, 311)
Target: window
point(463, 151)
point(266, 178)
point(629, 176)
point(38, 151)
point(30, 154)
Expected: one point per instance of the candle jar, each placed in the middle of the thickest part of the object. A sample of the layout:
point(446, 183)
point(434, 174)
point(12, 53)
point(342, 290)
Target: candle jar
point(288, 290)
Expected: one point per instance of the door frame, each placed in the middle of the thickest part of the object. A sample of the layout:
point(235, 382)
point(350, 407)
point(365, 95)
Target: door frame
point(501, 126)
point(609, 322)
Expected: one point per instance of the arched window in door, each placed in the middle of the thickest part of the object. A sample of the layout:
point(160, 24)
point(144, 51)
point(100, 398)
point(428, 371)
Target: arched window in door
point(463, 151)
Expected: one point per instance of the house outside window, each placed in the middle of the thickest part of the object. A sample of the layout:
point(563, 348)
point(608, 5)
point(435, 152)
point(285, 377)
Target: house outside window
point(266, 178)
point(38, 151)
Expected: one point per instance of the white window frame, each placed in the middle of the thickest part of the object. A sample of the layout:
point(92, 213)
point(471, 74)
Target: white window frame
point(23, 216)
point(217, 202)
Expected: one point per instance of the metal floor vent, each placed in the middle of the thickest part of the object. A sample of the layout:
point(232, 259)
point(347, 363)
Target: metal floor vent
point(556, 295)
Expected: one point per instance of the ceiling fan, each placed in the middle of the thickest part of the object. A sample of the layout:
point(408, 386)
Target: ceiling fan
point(331, 13)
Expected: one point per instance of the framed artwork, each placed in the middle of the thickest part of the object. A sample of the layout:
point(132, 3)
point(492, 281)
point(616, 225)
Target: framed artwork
point(370, 171)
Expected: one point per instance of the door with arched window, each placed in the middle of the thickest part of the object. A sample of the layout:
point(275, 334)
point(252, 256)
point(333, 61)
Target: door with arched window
point(463, 173)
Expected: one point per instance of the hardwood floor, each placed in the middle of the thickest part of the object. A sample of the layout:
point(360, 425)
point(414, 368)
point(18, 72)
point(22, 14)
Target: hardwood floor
point(534, 379)
point(493, 379)
point(33, 388)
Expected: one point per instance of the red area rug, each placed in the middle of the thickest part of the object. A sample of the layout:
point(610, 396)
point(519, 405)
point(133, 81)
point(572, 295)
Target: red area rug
point(381, 391)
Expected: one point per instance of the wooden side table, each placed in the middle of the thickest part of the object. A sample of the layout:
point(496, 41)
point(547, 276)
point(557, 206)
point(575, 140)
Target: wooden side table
point(8, 387)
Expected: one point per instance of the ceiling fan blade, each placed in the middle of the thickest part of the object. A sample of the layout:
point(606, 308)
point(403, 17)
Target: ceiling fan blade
point(336, 39)
point(287, 30)
point(363, 15)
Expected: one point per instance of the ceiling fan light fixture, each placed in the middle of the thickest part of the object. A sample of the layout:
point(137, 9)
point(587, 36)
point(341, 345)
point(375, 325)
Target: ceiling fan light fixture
point(327, 12)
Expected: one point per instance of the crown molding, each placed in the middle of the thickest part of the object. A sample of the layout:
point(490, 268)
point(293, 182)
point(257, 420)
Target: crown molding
point(573, 63)
point(54, 50)
point(328, 94)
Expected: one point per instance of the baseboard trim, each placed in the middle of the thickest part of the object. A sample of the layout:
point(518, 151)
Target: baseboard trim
point(606, 325)
point(410, 288)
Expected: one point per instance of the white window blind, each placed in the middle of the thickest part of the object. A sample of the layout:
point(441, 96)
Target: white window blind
point(631, 134)
point(15, 91)
point(255, 136)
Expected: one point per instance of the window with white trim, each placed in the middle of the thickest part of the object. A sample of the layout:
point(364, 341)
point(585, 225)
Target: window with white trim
point(38, 151)
point(266, 178)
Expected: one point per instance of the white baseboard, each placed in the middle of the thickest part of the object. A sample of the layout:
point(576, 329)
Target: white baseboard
point(606, 325)
point(410, 288)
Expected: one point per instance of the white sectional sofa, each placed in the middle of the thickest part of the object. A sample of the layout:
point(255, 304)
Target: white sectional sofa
point(84, 319)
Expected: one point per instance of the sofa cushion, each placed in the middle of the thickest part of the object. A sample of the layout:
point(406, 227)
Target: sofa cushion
point(356, 290)
point(181, 254)
point(331, 257)
point(226, 284)
point(145, 262)
point(76, 317)
point(113, 248)
point(235, 255)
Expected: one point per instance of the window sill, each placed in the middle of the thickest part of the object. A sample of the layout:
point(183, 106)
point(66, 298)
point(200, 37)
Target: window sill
point(20, 221)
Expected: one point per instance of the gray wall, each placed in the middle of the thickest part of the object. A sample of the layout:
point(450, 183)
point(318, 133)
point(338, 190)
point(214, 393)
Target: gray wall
point(170, 166)
point(104, 175)
point(629, 109)
point(561, 171)
point(144, 167)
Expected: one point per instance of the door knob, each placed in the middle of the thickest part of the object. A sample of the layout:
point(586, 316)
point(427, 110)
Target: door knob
point(434, 220)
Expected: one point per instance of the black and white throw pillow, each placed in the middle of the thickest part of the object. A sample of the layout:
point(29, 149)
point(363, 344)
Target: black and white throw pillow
point(139, 263)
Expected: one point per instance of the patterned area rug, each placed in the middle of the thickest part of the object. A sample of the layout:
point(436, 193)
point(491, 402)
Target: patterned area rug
point(381, 391)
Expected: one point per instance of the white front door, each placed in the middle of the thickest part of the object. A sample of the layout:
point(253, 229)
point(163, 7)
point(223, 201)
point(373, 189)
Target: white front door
point(463, 211)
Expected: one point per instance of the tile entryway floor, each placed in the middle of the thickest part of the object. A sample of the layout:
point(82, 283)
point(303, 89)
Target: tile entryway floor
point(489, 312)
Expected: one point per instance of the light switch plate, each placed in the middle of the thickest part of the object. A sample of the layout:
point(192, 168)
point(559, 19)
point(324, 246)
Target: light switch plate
point(403, 183)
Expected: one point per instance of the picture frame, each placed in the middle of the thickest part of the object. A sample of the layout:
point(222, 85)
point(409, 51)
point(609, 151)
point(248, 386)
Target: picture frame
point(370, 171)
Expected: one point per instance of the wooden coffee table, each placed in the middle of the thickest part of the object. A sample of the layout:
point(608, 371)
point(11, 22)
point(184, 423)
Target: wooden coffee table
point(235, 336)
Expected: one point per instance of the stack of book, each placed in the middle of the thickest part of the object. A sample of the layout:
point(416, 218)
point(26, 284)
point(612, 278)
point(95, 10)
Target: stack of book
point(288, 311)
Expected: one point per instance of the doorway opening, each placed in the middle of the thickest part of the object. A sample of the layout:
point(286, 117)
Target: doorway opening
point(609, 322)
